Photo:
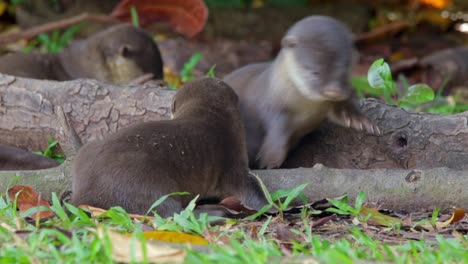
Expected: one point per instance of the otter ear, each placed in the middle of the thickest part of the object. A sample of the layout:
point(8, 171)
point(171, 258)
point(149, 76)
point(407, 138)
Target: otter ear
point(125, 50)
point(289, 42)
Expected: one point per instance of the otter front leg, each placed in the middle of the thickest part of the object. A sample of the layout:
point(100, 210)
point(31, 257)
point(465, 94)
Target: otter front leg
point(274, 147)
point(347, 114)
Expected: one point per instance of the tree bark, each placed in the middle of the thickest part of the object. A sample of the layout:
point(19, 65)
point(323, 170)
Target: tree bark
point(398, 169)
point(409, 141)
point(27, 116)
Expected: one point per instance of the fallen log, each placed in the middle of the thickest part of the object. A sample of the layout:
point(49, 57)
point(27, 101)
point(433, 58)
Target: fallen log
point(398, 169)
point(28, 118)
point(409, 140)
point(396, 189)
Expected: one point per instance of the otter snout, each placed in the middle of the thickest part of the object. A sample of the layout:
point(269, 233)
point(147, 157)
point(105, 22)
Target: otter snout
point(336, 94)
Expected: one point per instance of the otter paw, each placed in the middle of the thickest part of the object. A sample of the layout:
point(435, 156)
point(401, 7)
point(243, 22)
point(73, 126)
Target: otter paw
point(362, 123)
point(270, 156)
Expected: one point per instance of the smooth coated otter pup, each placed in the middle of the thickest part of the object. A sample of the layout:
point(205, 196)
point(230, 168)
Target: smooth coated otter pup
point(201, 151)
point(117, 55)
point(309, 80)
point(12, 158)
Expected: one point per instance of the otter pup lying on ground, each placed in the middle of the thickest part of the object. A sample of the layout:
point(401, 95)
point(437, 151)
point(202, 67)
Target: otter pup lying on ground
point(117, 55)
point(201, 151)
point(12, 158)
point(283, 100)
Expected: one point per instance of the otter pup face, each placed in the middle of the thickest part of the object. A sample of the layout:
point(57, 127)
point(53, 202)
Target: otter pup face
point(319, 58)
point(129, 53)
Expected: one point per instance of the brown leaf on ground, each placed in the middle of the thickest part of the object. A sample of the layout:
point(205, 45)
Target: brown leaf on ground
point(234, 204)
point(377, 218)
point(185, 16)
point(457, 215)
point(175, 237)
point(28, 198)
point(126, 249)
point(284, 234)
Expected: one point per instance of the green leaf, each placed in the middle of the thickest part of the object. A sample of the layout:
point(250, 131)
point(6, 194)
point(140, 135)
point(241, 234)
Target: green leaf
point(418, 94)
point(135, 18)
point(293, 195)
point(210, 72)
point(342, 206)
point(162, 199)
point(361, 198)
point(186, 72)
point(31, 46)
point(69, 34)
point(379, 76)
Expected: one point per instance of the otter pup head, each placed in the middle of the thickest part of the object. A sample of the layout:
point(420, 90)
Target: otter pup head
point(318, 52)
point(203, 92)
point(128, 52)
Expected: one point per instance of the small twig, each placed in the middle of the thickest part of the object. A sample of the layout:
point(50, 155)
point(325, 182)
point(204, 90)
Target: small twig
point(380, 32)
point(33, 32)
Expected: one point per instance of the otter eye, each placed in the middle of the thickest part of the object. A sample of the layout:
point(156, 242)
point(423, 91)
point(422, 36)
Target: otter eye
point(289, 42)
point(125, 51)
point(316, 73)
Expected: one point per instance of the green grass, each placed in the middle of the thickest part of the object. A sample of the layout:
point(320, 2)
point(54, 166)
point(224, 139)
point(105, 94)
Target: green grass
point(72, 237)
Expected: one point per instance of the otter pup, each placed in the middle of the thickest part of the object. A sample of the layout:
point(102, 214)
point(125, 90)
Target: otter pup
point(283, 100)
point(12, 158)
point(117, 55)
point(201, 151)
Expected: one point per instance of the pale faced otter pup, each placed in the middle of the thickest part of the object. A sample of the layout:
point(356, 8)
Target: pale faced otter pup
point(201, 151)
point(286, 99)
point(117, 55)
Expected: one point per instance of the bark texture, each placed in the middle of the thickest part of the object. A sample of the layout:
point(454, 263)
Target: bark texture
point(27, 116)
point(410, 140)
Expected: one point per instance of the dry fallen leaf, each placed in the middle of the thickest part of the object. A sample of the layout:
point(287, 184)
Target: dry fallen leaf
point(378, 218)
point(175, 237)
point(171, 77)
point(457, 215)
point(126, 249)
point(284, 234)
point(28, 198)
point(185, 16)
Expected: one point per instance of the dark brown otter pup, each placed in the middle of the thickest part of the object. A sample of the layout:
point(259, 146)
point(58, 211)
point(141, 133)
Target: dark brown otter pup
point(201, 151)
point(12, 158)
point(117, 55)
point(283, 100)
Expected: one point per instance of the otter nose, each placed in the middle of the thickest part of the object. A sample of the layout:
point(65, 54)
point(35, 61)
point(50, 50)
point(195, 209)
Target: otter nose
point(336, 93)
